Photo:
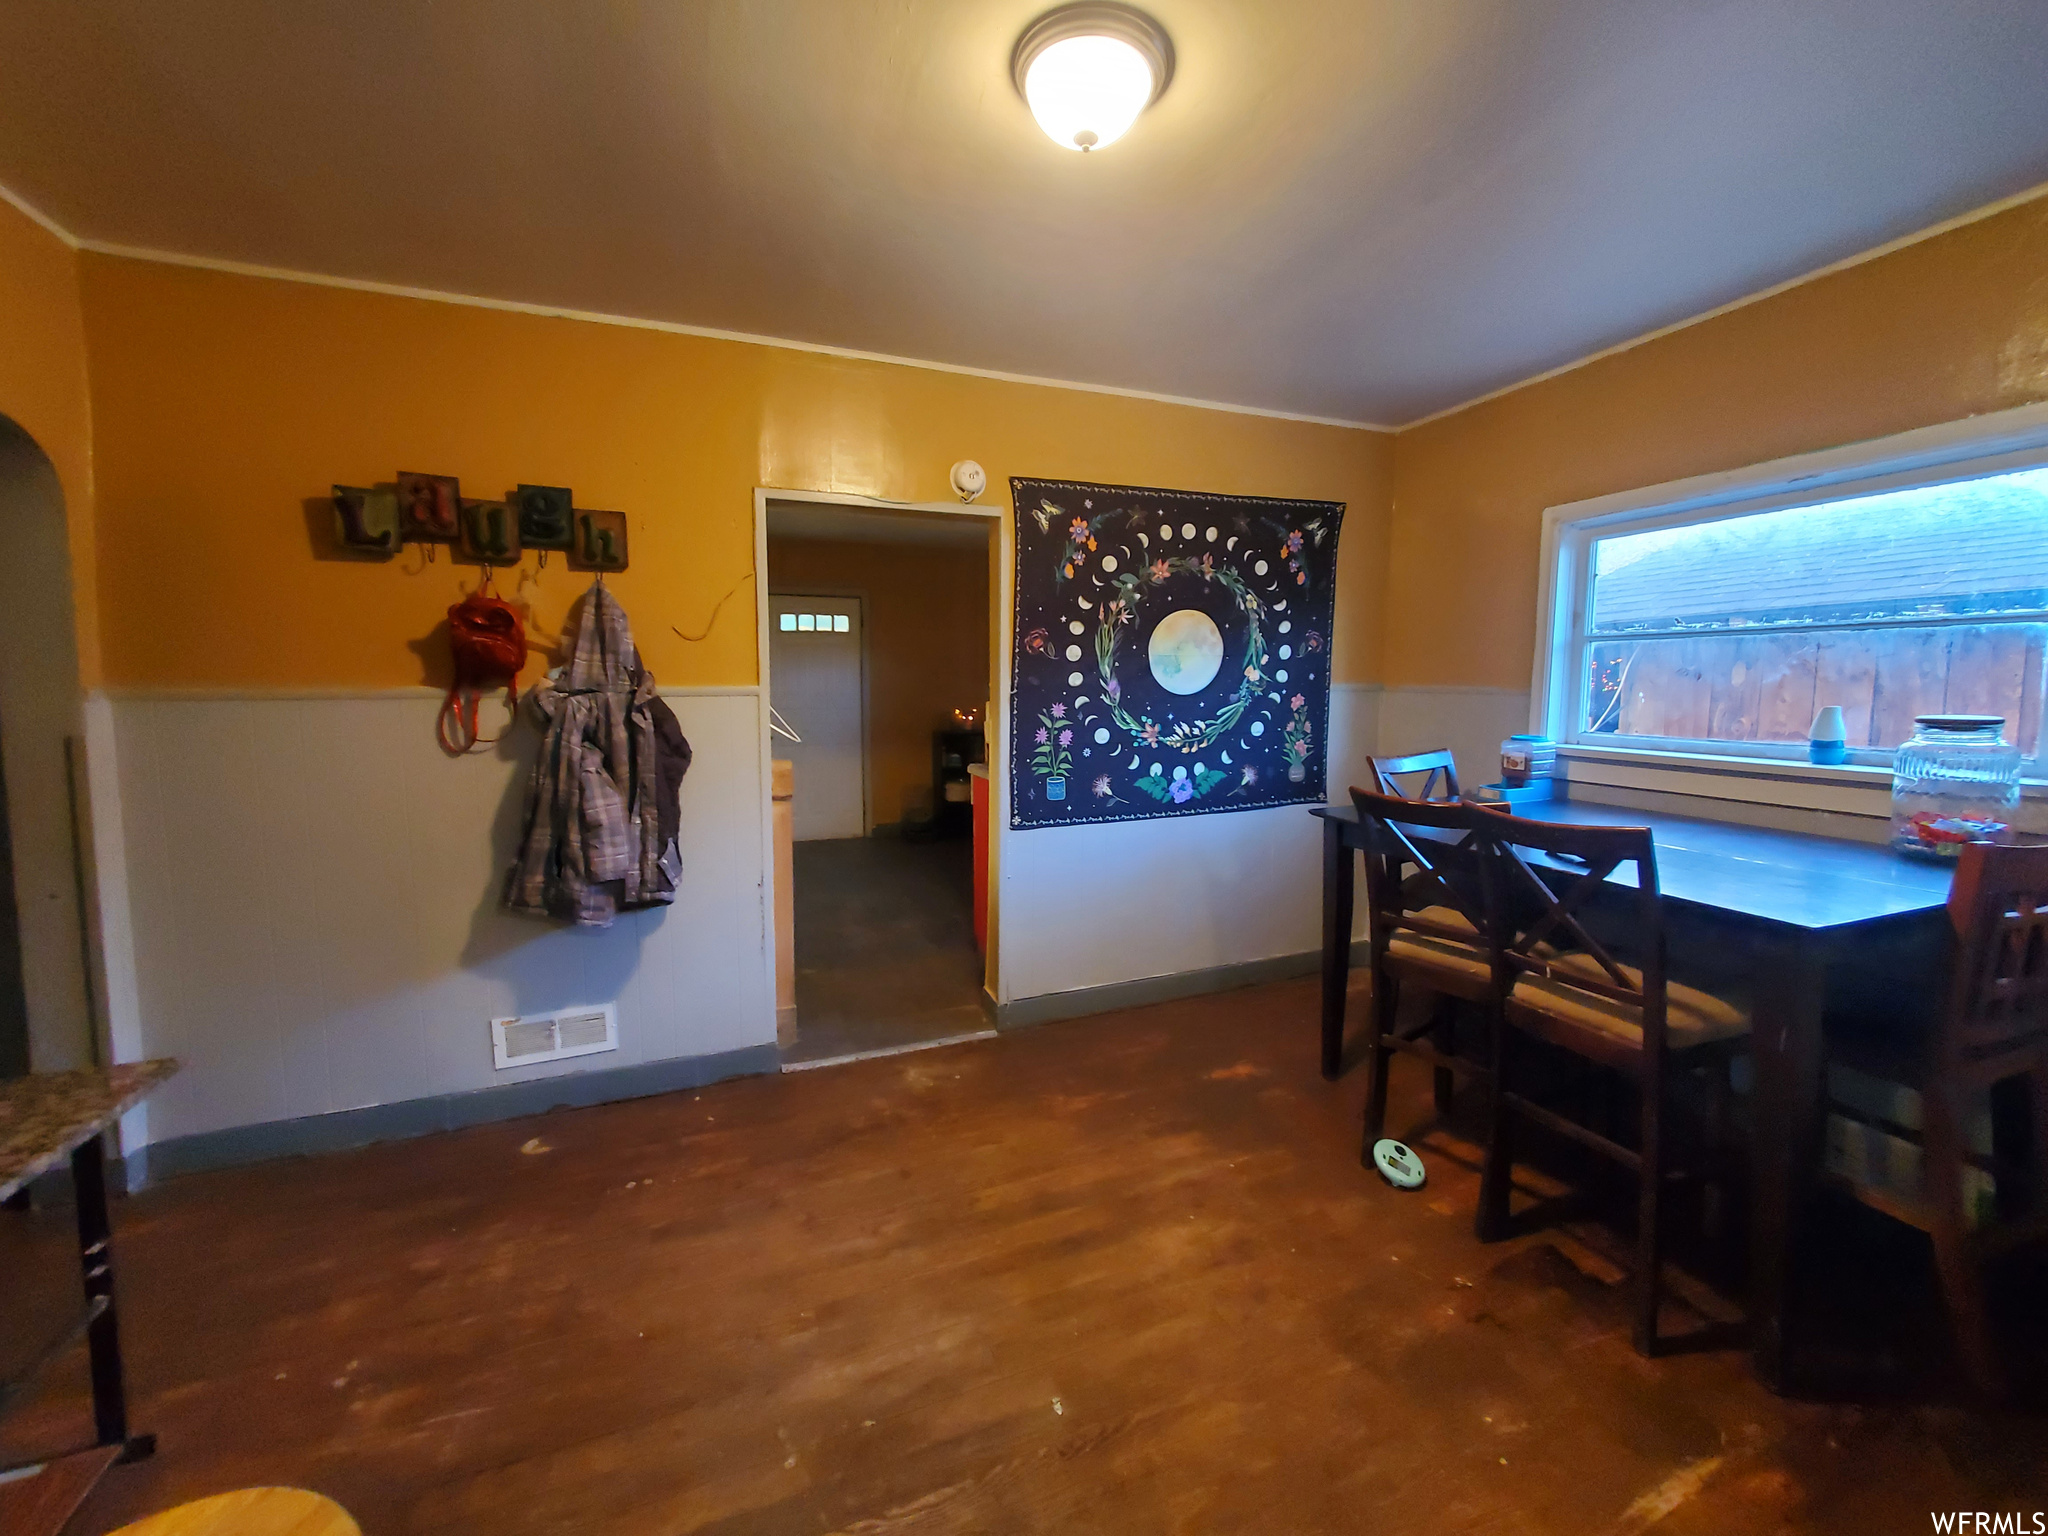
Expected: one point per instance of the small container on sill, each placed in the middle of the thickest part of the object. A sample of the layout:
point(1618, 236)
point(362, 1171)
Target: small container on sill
point(1956, 780)
point(1827, 741)
point(1525, 758)
point(1533, 792)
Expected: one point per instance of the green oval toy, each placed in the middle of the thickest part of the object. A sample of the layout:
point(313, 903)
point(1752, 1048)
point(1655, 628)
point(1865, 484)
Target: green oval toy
point(1398, 1165)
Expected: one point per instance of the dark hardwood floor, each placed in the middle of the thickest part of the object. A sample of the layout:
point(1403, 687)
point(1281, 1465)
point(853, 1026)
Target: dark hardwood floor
point(885, 953)
point(1119, 1275)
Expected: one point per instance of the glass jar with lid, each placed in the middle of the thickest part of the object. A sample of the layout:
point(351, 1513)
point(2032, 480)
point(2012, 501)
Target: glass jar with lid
point(1526, 758)
point(1956, 780)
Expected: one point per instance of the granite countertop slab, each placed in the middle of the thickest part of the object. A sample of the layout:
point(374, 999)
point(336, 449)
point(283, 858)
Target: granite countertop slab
point(46, 1116)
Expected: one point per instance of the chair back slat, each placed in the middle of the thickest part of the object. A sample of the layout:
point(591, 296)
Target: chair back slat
point(1532, 911)
point(1439, 772)
point(1407, 871)
point(1998, 1002)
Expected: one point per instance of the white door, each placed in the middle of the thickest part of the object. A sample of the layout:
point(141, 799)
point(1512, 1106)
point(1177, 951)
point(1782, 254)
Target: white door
point(814, 681)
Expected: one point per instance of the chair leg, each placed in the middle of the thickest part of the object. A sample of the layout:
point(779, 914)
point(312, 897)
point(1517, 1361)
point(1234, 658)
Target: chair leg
point(1497, 1171)
point(1720, 1155)
point(1649, 1213)
point(1962, 1284)
point(1955, 1255)
point(2014, 1102)
point(1444, 1035)
point(1386, 1001)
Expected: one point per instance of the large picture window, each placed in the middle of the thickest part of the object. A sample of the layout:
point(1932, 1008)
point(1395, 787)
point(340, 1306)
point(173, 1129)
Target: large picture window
point(1723, 629)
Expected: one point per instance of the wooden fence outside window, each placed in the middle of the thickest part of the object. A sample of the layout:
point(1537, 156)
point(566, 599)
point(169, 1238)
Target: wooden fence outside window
point(1767, 687)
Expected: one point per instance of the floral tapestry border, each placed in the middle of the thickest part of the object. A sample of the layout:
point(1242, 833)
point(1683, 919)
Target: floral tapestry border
point(1172, 652)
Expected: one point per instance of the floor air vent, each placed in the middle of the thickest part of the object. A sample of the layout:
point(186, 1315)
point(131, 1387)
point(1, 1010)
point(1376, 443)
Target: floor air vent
point(552, 1036)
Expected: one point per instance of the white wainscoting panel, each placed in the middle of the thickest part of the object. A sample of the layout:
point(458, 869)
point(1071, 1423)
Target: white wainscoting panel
point(313, 898)
point(1096, 905)
point(1354, 735)
point(1089, 906)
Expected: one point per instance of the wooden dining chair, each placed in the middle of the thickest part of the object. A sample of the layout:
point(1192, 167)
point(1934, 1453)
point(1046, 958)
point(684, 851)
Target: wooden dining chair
point(1426, 917)
point(1992, 1037)
point(1439, 772)
point(1563, 985)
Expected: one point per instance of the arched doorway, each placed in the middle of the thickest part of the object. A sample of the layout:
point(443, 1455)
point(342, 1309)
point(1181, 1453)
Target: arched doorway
point(45, 1014)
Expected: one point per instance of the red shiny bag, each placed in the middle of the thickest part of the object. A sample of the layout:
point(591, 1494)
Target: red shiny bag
point(488, 639)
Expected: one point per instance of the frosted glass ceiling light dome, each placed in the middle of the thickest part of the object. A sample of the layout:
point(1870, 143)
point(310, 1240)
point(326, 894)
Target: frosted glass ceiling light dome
point(1088, 70)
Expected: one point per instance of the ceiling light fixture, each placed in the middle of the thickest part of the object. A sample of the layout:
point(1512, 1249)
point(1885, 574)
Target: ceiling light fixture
point(1088, 70)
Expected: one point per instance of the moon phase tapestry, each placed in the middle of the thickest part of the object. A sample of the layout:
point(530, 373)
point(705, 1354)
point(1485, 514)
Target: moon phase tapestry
point(1172, 652)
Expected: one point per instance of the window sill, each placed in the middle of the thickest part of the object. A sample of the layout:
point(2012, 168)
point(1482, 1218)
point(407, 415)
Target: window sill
point(1750, 767)
point(1848, 788)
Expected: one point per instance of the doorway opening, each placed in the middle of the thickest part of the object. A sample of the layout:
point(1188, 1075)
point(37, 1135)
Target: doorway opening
point(45, 1010)
point(878, 669)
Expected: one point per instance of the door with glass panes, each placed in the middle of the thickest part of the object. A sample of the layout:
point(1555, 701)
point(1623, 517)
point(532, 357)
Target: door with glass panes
point(815, 683)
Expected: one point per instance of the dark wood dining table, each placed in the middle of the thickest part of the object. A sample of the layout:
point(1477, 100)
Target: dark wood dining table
point(1806, 912)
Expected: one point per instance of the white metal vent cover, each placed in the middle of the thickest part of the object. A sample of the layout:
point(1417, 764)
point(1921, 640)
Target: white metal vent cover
point(553, 1036)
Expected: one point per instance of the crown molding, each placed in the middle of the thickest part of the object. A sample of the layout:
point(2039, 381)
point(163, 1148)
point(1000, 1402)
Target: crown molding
point(36, 216)
point(678, 328)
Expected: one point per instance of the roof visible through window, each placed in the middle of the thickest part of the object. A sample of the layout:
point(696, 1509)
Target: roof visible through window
point(1970, 548)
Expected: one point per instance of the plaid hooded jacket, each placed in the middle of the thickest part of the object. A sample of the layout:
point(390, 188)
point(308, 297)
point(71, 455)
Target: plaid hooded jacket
point(600, 833)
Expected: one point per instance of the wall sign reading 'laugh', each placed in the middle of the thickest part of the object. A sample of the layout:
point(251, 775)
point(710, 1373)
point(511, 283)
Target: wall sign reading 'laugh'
point(1172, 652)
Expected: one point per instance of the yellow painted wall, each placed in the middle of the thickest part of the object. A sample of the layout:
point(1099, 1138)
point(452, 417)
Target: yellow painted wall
point(1950, 327)
point(223, 403)
point(43, 388)
point(926, 612)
